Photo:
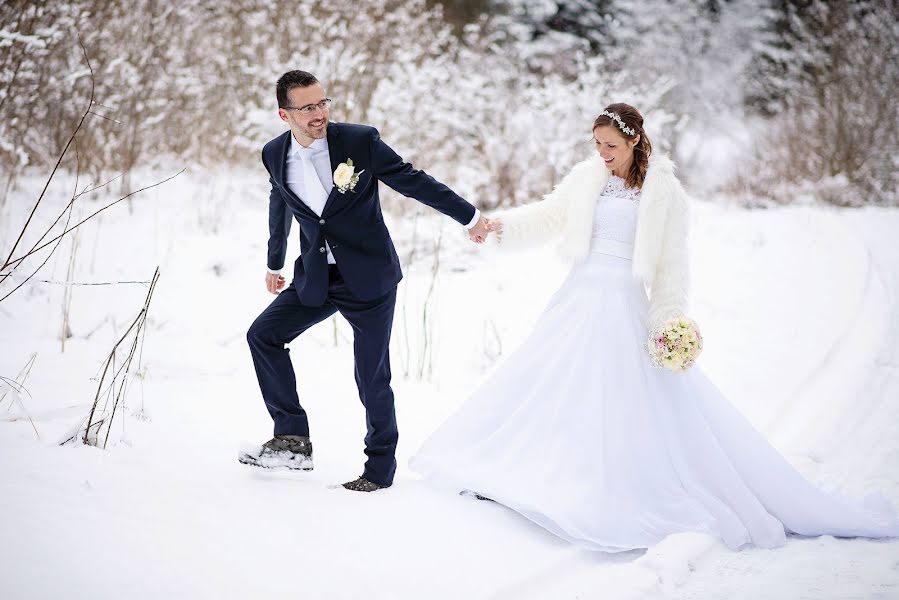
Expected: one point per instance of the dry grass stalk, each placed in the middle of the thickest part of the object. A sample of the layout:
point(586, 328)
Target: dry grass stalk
point(117, 386)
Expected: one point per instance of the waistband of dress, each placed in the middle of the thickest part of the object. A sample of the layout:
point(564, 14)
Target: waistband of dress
point(612, 248)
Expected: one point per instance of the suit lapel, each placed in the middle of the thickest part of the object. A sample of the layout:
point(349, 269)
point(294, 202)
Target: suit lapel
point(281, 176)
point(336, 154)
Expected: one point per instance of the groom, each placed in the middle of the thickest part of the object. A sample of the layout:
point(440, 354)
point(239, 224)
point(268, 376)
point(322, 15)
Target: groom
point(325, 175)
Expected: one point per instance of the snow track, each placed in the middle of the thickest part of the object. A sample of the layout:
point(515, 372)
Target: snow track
point(856, 390)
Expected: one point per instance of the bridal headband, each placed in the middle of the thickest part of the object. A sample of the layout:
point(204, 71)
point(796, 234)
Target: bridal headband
point(614, 116)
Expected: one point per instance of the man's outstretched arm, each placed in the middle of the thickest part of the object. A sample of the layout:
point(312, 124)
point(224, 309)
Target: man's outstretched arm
point(390, 168)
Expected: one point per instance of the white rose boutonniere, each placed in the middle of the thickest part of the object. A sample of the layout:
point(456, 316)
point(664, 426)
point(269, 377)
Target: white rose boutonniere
point(345, 176)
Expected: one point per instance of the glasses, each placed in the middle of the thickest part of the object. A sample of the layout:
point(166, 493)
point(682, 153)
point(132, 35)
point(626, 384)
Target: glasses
point(310, 108)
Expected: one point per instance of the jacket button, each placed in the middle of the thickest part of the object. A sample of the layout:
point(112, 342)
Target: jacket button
point(322, 249)
point(321, 222)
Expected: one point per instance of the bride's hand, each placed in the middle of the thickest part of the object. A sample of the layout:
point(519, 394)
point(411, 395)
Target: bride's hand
point(495, 225)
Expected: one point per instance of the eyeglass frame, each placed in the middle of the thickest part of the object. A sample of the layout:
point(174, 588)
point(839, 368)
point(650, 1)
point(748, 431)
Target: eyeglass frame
point(310, 108)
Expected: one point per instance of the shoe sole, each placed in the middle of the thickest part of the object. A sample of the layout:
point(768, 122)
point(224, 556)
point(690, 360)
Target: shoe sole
point(304, 464)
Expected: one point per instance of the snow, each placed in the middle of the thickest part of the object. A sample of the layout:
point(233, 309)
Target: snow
point(797, 306)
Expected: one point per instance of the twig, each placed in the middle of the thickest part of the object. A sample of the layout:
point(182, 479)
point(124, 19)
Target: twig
point(22, 376)
point(117, 396)
point(116, 121)
point(408, 354)
point(68, 218)
point(75, 432)
point(95, 188)
point(41, 247)
point(144, 283)
point(427, 345)
point(90, 416)
point(59, 160)
point(140, 358)
point(13, 386)
point(17, 395)
point(70, 272)
point(66, 207)
point(67, 297)
point(140, 328)
point(41, 266)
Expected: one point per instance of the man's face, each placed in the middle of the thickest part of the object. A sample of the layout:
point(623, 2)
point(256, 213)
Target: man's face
point(312, 124)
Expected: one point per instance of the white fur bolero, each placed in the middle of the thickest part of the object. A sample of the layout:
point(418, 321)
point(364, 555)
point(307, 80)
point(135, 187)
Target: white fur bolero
point(565, 217)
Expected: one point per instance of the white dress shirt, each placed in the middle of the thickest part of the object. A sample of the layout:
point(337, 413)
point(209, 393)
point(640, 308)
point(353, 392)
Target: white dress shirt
point(321, 160)
point(318, 153)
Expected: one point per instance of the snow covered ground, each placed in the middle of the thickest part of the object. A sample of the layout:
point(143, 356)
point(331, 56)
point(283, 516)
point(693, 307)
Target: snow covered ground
point(798, 306)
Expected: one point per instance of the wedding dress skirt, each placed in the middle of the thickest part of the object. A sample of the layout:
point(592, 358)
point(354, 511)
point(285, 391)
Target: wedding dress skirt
point(578, 432)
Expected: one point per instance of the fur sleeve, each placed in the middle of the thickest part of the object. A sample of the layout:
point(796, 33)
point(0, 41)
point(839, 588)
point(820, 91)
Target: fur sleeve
point(531, 224)
point(670, 285)
point(543, 221)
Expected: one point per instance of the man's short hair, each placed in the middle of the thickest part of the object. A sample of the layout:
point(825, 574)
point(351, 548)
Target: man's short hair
point(290, 80)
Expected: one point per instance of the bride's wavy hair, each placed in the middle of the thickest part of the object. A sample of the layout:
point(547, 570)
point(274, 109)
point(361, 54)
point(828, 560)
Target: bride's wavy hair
point(632, 120)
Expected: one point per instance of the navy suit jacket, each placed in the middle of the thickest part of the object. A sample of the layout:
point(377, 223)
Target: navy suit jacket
point(350, 222)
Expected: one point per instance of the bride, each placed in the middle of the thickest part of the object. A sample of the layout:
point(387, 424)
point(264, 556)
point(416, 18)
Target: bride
point(578, 431)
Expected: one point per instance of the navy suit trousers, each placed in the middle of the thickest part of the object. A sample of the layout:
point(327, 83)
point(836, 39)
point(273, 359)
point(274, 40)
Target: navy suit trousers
point(285, 319)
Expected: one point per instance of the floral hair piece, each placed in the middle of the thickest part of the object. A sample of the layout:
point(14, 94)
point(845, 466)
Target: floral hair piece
point(614, 116)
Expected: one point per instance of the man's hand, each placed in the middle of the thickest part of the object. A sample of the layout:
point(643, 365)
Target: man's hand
point(274, 283)
point(478, 233)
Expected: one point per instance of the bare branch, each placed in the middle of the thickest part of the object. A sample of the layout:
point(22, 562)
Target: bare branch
point(120, 377)
point(90, 416)
point(19, 383)
point(59, 160)
point(116, 121)
point(85, 191)
point(144, 283)
point(41, 266)
point(41, 247)
point(17, 395)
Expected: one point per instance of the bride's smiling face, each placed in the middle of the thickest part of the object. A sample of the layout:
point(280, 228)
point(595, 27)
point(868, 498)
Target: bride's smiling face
point(615, 149)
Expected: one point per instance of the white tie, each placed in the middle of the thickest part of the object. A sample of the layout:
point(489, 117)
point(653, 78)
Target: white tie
point(315, 196)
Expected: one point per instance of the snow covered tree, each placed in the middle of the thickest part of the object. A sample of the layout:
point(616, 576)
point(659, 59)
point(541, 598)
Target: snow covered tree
point(827, 76)
point(33, 35)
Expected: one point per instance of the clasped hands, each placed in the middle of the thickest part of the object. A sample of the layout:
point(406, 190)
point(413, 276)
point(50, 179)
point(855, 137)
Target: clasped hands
point(484, 227)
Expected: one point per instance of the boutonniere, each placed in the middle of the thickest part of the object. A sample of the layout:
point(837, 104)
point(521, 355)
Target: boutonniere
point(345, 176)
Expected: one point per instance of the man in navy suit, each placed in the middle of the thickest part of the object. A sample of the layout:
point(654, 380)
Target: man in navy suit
point(325, 175)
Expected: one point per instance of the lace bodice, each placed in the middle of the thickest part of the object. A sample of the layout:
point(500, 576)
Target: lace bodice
point(615, 217)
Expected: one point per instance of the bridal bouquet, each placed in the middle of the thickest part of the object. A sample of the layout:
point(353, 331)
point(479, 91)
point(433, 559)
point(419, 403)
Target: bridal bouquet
point(675, 344)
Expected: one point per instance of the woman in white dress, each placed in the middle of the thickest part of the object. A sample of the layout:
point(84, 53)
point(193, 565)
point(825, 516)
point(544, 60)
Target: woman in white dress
point(579, 432)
